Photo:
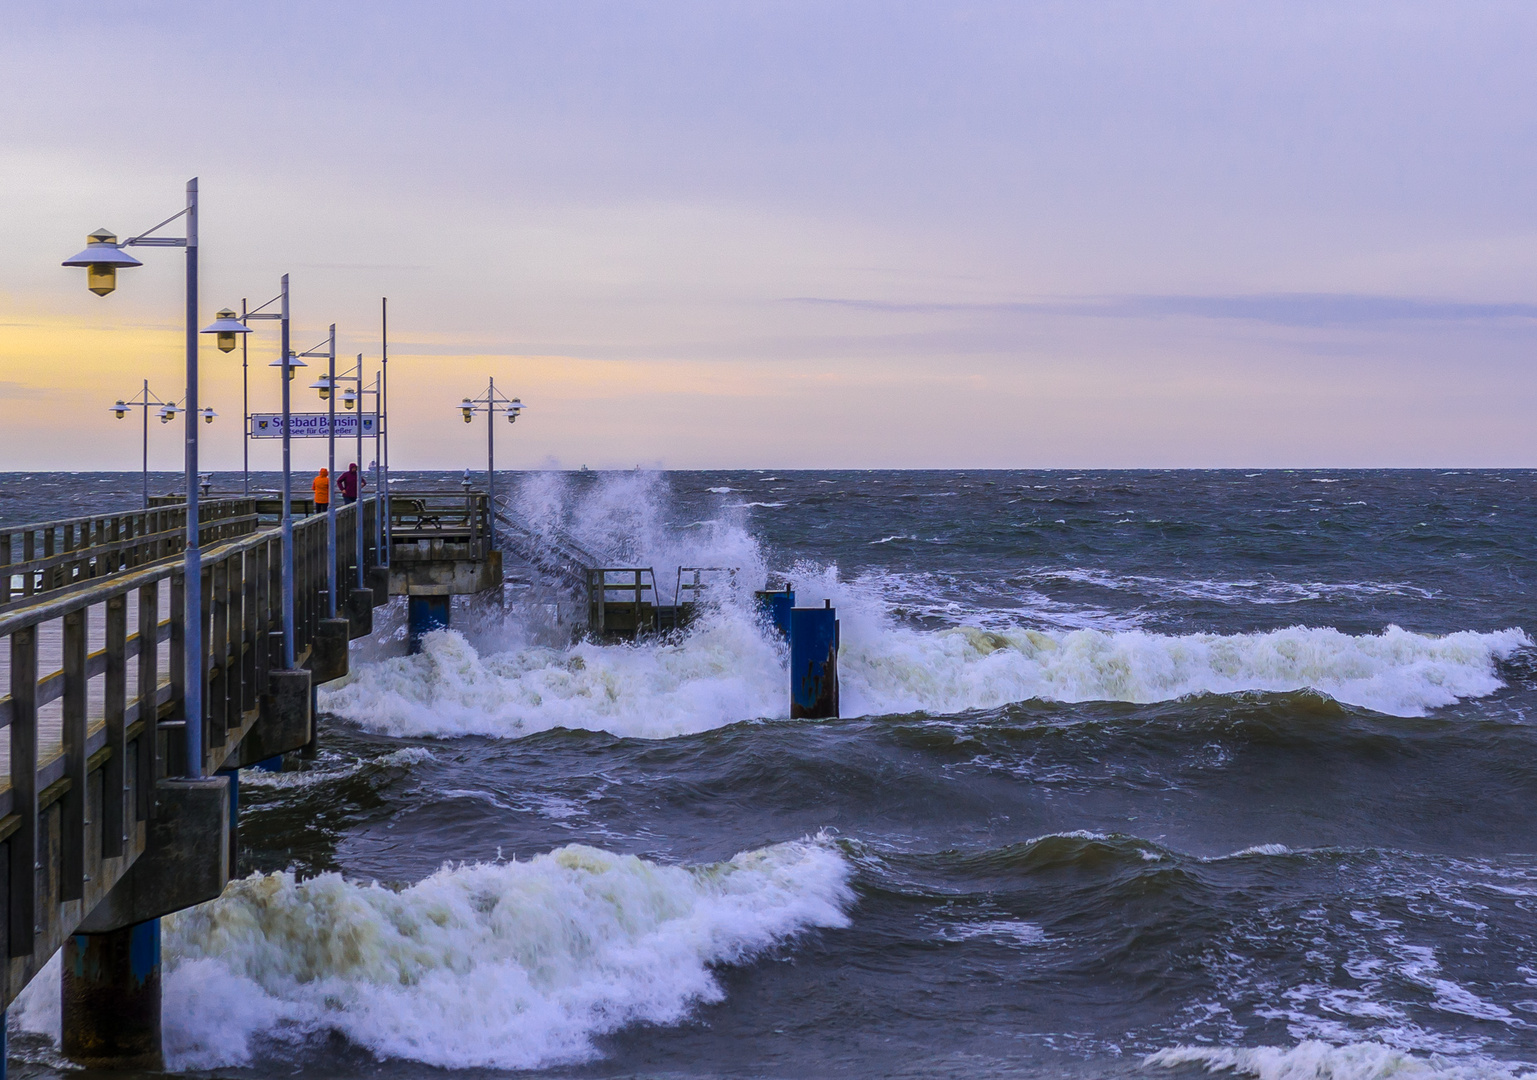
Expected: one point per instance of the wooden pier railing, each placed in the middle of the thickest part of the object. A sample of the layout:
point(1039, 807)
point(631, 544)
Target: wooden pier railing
point(59, 555)
point(92, 689)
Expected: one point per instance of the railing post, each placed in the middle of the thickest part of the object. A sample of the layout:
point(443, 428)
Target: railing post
point(114, 708)
point(218, 652)
point(253, 574)
point(178, 657)
point(148, 687)
point(22, 879)
point(197, 738)
point(72, 805)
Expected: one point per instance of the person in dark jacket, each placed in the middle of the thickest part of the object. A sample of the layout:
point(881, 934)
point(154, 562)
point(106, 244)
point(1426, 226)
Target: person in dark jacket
point(350, 483)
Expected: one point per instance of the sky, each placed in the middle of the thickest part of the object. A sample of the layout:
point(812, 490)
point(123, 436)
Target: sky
point(822, 234)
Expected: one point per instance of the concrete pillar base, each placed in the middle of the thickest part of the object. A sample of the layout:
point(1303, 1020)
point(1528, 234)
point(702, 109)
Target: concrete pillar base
point(111, 998)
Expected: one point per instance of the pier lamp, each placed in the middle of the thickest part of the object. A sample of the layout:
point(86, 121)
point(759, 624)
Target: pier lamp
point(491, 403)
point(322, 384)
point(294, 364)
point(168, 412)
point(349, 398)
point(227, 327)
point(101, 258)
point(207, 415)
point(143, 401)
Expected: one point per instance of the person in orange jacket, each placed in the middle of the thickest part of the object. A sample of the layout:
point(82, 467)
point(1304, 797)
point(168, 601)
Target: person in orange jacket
point(322, 487)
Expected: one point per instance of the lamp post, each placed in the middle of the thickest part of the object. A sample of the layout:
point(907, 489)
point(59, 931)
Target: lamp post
point(145, 399)
point(377, 392)
point(491, 403)
point(384, 408)
point(286, 364)
point(352, 397)
point(324, 385)
point(103, 257)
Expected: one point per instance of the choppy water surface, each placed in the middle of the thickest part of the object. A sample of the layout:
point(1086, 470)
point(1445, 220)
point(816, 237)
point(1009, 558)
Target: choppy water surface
point(1140, 773)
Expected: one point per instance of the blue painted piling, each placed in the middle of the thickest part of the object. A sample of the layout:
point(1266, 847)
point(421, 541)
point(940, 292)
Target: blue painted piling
point(814, 663)
point(110, 995)
point(774, 606)
point(424, 615)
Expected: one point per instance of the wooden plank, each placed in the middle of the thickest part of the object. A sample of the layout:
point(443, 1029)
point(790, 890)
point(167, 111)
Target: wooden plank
point(204, 620)
point(178, 658)
point(114, 710)
point(72, 818)
point(148, 683)
point(253, 673)
point(22, 878)
point(217, 654)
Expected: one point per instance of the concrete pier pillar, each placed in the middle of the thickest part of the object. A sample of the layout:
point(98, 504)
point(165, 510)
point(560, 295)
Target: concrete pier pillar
point(814, 663)
point(360, 612)
point(426, 614)
point(111, 998)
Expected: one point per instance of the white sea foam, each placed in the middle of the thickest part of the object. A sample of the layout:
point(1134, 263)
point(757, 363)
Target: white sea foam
point(729, 670)
point(492, 965)
point(331, 771)
point(1243, 590)
point(1313, 1060)
point(495, 680)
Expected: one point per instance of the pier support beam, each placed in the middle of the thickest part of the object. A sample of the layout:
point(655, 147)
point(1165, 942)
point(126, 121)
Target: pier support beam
point(814, 663)
point(111, 998)
point(427, 613)
point(286, 721)
point(774, 606)
point(360, 612)
point(379, 581)
point(185, 860)
point(328, 653)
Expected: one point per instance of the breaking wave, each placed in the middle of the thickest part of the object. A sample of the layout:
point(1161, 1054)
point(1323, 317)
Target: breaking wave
point(1313, 1060)
point(729, 670)
point(492, 965)
point(496, 680)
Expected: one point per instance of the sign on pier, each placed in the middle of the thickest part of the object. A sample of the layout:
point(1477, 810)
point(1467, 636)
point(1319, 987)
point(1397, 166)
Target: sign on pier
point(313, 425)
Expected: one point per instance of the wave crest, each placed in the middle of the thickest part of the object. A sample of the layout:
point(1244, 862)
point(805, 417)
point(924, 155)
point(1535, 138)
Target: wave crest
point(1314, 1060)
point(728, 670)
point(491, 965)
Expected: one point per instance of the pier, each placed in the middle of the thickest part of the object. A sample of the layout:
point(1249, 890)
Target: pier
point(103, 824)
point(106, 822)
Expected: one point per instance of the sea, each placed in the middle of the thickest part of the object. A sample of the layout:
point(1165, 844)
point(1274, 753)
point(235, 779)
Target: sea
point(1138, 774)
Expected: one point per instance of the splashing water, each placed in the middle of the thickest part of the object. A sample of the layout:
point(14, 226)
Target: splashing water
point(1313, 1060)
point(495, 965)
point(729, 670)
